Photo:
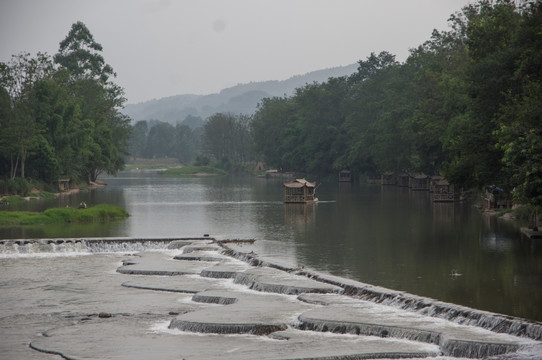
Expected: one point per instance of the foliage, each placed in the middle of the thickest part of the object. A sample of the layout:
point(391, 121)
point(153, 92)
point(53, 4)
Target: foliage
point(61, 118)
point(98, 213)
point(19, 126)
point(465, 104)
point(17, 186)
point(159, 139)
point(14, 199)
point(202, 160)
point(227, 139)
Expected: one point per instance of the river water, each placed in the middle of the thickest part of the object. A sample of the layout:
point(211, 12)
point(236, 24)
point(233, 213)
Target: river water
point(385, 236)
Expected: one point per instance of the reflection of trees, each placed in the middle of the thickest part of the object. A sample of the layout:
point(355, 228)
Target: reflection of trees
point(444, 213)
point(419, 200)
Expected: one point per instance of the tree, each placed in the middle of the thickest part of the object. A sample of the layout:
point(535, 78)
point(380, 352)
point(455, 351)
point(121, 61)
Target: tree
point(520, 139)
point(161, 140)
point(21, 130)
point(81, 56)
point(274, 132)
point(138, 139)
point(6, 116)
point(490, 28)
point(186, 144)
point(62, 134)
point(99, 100)
point(227, 139)
point(519, 135)
point(375, 109)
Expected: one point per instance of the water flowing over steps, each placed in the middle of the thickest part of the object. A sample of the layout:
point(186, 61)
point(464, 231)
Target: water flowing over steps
point(90, 245)
point(425, 306)
point(295, 313)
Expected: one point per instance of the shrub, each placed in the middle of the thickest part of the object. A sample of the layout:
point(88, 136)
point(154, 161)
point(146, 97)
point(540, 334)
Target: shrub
point(98, 213)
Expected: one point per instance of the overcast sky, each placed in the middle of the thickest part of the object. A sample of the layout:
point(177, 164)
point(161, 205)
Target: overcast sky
point(162, 48)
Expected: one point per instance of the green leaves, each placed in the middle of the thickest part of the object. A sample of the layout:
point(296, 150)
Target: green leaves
point(64, 120)
point(466, 102)
point(81, 55)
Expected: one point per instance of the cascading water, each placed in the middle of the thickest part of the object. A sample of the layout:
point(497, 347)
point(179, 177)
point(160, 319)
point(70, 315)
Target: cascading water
point(23, 247)
point(425, 306)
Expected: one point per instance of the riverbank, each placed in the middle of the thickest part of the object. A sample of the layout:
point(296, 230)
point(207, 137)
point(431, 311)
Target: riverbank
point(36, 194)
point(102, 212)
point(193, 171)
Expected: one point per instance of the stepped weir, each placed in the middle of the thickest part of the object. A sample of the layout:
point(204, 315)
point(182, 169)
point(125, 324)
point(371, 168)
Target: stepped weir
point(234, 290)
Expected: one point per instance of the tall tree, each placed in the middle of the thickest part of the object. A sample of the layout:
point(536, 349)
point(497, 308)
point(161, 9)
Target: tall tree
point(490, 27)
point(100, 101)
point(519, 135)
point(274, 132)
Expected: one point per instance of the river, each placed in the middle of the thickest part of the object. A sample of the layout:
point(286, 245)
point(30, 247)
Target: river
point(387, 236)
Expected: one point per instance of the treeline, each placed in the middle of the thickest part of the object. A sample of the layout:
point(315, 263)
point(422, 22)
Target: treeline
point(61, 116)
point(157, 139)
point(467, 104)
point(224, 140)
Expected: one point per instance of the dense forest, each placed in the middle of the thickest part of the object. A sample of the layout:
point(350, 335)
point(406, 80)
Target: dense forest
point(225, 140)
point(466, 104)
point(60, 116)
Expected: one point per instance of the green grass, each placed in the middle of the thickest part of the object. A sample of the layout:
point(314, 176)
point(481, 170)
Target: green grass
point(98, 213)
point(194, 171)
point(14, 199)
point(148, 164)
point(43, 195)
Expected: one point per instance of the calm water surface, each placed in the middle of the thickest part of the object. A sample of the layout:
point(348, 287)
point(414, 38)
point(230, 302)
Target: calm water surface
point(385, 236)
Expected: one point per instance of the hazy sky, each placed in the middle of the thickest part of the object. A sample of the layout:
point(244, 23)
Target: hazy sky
point(161, 48)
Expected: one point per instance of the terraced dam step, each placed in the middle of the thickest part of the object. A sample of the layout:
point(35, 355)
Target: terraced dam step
point(233, 303)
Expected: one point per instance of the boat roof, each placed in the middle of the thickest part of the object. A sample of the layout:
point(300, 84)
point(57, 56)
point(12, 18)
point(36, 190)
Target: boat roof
point(298, 183)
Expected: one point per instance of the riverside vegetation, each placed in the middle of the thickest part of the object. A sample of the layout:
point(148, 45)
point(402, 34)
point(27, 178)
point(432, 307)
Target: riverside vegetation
point(464, 104)
point(60, 116)
point(97, 213)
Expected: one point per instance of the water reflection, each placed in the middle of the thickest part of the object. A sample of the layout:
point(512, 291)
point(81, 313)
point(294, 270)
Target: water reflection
point(300, 216)
point(386, 236)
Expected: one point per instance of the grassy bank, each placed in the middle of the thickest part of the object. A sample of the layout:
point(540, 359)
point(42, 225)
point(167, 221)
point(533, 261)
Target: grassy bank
point(194, 171)
point(149, 164)
point(98, 213)
point(15, 199)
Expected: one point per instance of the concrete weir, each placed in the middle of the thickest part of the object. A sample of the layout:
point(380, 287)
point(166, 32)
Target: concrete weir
point(237, 304)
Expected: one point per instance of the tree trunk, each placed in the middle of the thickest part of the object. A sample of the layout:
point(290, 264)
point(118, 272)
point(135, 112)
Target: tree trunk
point(23, 160)
point(13, 170)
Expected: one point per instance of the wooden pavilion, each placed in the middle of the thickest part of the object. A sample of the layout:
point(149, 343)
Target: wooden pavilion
point(445, 192)
point(403, 180)
point(388, 178)
point(418, 182)
point(299, 191)
point(345, 176)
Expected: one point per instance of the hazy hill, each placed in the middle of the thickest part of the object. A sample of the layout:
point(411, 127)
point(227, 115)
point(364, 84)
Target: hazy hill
point(239, 99)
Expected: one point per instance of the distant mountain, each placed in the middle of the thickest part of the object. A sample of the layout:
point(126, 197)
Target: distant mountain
point(239, 99)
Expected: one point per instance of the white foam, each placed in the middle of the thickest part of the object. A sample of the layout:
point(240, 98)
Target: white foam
point(39, 255)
